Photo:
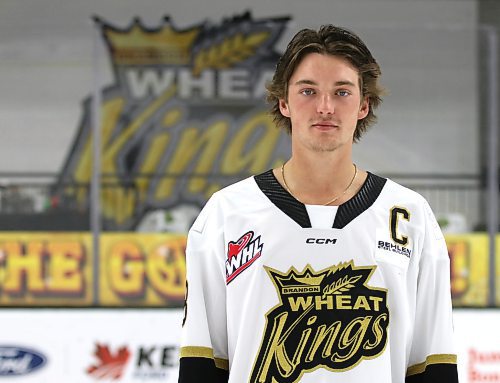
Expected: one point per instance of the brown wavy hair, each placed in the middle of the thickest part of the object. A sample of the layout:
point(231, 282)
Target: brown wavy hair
point(330, 40)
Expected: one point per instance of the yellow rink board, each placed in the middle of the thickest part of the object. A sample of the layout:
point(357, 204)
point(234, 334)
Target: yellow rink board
point(38, 269)
point(142, 269)
point(135, 269)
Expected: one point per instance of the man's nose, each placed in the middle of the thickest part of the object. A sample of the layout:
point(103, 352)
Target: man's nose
point(326, 104)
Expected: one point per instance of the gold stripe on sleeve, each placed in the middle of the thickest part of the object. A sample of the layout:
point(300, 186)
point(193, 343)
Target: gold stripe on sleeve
point(222, 363)
point(203, 352)
point(431, 359)
point(197, 352)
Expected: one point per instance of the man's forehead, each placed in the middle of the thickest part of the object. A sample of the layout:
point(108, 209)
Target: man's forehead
point(316, 61)
point(299, 78)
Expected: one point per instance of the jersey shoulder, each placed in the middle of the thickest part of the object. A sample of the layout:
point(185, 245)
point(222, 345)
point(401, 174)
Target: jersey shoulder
point(396, 193)
point(238, 196)
point(404, 198)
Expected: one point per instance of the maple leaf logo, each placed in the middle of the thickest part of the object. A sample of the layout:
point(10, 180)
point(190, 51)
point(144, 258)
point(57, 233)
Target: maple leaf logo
point(110, 365)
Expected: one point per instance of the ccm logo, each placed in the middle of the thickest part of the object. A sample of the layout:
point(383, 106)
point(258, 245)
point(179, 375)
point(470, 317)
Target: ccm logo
point(322, 241)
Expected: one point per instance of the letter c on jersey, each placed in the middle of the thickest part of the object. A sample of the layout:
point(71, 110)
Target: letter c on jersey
point(398, 213)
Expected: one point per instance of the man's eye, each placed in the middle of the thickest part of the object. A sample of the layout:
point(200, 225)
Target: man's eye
point(307, 92)
point(343, 93)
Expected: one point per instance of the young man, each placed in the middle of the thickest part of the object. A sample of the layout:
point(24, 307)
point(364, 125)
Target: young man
point(318, 271)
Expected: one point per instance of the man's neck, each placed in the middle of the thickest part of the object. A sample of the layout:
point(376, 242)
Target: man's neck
point(317, 179)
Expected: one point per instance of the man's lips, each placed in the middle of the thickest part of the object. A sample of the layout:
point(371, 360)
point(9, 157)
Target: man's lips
point(325, 125)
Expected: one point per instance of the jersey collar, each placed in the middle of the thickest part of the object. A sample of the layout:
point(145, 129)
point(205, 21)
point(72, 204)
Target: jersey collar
point(297, 211)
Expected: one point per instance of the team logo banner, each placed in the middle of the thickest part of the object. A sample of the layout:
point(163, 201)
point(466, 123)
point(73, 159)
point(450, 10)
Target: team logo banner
point(185, 116)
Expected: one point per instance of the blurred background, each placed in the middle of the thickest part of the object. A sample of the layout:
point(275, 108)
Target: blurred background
point(120, 118)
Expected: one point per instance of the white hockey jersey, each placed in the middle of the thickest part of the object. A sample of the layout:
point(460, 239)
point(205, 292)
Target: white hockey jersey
point(272, 298)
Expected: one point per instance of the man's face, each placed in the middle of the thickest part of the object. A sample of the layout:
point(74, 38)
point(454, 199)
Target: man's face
point(324, 103)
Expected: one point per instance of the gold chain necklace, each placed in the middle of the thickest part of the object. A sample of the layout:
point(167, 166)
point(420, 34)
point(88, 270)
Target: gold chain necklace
point(329, 202)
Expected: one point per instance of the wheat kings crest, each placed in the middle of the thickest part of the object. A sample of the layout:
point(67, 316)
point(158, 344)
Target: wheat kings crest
point(327, 319)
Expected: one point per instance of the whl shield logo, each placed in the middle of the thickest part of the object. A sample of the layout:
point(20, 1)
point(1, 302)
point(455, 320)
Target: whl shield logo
point(110, 366)
point(241, 254)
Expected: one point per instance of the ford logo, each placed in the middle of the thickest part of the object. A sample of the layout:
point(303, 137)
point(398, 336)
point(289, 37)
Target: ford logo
point(19, 360)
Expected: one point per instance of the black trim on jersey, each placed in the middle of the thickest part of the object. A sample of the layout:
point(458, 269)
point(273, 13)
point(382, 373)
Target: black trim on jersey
point(297, 211)
point(444, 372)
point(365, 198)
point(195, 370)
point(270, 186)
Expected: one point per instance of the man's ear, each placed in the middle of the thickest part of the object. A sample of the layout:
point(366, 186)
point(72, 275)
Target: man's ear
point(364, 108)
point(285, 111)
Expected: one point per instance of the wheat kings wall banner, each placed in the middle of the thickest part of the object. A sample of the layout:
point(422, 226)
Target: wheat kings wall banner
point(184, 117)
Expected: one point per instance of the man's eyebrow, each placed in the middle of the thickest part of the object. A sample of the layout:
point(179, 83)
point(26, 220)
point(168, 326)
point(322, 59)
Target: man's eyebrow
point(305, 82)
point(338, 83)
point(344, 82)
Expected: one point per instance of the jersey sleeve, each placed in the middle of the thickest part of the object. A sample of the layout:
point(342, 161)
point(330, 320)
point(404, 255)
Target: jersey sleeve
point(432, 355)
point(203, 352)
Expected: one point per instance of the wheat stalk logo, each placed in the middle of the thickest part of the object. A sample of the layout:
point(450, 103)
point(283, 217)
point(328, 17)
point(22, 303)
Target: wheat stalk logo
point(230, 51)
point(342, 285)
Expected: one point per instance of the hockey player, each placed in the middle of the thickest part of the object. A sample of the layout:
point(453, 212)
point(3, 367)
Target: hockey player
point(318, 271)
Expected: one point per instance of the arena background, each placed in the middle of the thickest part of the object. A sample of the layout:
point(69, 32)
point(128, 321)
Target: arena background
point(92, 288)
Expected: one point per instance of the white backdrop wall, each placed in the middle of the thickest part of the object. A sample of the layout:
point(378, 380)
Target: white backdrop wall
point(83, 346)
point(427, 50)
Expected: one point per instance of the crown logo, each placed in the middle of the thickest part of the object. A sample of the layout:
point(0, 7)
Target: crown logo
point(138, 45)
point(296, 279)
point(333, 280)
